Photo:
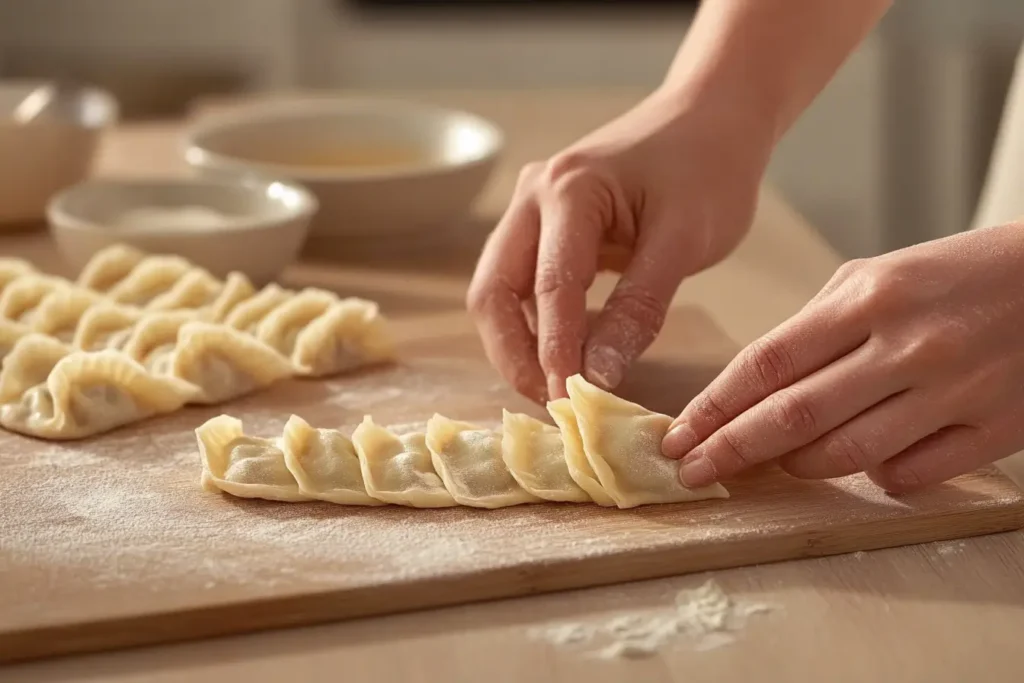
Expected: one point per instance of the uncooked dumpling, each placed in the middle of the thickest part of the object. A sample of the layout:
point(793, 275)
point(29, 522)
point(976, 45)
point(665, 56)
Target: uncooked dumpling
point(237, 289)
point(535, 456)
point(59, 312)
point(29, 363)
point(91, 393)
point(622, 441)
point(244, 466)
point(324, 463)
point(11, 269)
point(398, 469)
point(575, 459)
point(196, 289)
point(468, 460)
point(105, 326)
point(154, 338)
point(109, 266)
point(152, 277)
point(350, 334)
point(248, 315)
point(10, 333)
point(280, 329)
point(224, 362)
point(21, 297)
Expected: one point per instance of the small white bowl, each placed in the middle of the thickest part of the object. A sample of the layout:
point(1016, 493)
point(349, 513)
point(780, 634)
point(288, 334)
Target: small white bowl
point(40, 158)
point(378, 167)
point(261, 227)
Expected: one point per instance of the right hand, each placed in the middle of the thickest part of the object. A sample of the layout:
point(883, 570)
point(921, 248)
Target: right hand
point(666, 190)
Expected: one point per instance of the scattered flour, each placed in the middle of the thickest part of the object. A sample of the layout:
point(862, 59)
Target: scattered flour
point(947, 548)
point(704, 616)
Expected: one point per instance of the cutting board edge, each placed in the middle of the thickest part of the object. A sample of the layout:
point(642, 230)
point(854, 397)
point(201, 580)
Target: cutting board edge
point(332, 606)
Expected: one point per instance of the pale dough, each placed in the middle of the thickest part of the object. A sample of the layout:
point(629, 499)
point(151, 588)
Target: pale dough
point(324, 463)
point(575, 458)
point(535, 455)
point(398, 469)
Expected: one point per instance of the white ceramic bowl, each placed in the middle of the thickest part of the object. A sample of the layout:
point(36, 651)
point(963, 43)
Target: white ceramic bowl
point(265, 223)
point(39, 159)
point(378, 167)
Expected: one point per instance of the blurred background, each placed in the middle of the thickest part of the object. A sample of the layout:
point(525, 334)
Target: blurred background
point(894, 152)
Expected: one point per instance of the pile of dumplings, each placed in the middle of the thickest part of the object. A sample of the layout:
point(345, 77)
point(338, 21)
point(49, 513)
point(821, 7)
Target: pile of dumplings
point(604, 450)
point(139, 335)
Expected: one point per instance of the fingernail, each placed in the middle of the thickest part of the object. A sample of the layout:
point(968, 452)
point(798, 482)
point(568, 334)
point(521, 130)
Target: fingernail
point(604, 366)
point(679, 441)
point(696, 474)
point(556, 387)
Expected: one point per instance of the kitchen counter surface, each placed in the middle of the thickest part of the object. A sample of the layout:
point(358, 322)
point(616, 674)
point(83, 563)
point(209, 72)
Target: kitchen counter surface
point(950, 611)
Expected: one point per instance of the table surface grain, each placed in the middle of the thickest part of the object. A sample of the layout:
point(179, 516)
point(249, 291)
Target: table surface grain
point(950, 611)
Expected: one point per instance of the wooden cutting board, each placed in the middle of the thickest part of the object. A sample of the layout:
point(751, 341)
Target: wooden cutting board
point(111, 543)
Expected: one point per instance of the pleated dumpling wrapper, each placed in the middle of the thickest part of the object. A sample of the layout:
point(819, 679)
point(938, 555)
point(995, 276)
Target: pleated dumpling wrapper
point(398, 469)
point(622, 442)
point(248, 314)
point(281, 327)
point(468, 460)
point(244, 466)
point(59, 313)
point(237, 289)
point(351, 334)
point(21, 298)
point(324, 463)
point(575, 459)
point(195, 289)
point(11, 269)
point(152, 277)
point(105, 326)
point(535, 455)
point(109, 266)
point(224, 362)
point(30, 362)
point(10, 333)
point(155, 337)
point(91, 393)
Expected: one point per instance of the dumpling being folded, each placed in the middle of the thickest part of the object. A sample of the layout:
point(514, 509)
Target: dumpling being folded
point(575, 459)
point(398, 469)
point(11, 269)
point(154, 338)
point(281, 328)
point(105, 326)
point(91, 393)
point(350, 334)
point(324, 463)
point(535, 455)
point(468, 460)
point(195, 289)
point(244, 466)
point(21, 298)
point(622, 441)
point(59, 312)
point(248, 315)
point(109, 266)
point(224, 362)
point(29, 363)
point(152, 277)
point(10, 333)
point(237, 289)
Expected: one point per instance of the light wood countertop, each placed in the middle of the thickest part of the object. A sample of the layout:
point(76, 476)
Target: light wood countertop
point(950, 611)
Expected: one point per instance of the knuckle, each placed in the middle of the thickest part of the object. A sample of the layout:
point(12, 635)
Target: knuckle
point(564, 165)
point(769, 364)
point(529, 173)
point(709, 408)
point(938, 345)
point(847, 453)
point(793, 414)
point(551, 278)
point(881, 287)
point(848, 270)
point(730, 454)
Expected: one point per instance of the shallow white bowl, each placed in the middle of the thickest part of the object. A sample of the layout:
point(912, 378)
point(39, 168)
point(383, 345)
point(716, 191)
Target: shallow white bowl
point(40, 158)
point(437, 160)
point(267, 222)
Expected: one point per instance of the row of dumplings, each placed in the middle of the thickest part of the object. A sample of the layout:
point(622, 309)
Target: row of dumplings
point(77, 362)
point(604, 450)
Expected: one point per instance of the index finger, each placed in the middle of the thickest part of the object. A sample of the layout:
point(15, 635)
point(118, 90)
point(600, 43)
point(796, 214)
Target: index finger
point(503, 280)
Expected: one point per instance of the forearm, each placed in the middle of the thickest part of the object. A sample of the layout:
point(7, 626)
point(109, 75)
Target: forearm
point(768, 59)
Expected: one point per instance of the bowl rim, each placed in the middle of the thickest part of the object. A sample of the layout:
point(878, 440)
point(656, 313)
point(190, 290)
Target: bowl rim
point(269, 111)
point(60, 218)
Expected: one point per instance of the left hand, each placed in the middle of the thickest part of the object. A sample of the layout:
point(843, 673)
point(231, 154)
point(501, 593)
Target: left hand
point(908, 366)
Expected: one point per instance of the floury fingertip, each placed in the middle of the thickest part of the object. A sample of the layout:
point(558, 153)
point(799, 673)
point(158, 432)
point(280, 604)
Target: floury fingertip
point(679, 441)
point(604, 366)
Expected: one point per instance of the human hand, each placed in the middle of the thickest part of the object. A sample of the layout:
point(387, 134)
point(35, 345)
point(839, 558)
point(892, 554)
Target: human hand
point(669, 189)
point(908, 366)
